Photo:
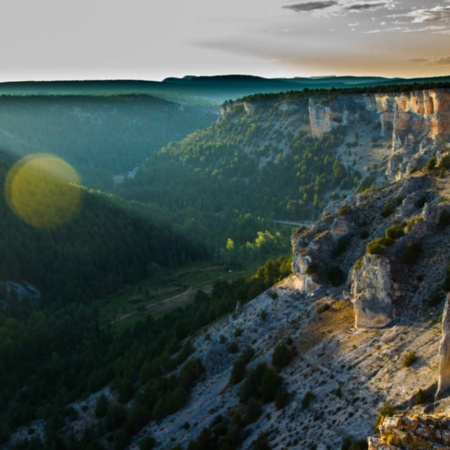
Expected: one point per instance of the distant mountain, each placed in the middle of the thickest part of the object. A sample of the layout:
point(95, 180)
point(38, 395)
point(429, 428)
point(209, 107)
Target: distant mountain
point(198, 89)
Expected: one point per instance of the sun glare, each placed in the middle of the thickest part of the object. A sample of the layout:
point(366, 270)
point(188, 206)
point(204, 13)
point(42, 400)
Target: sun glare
point(43, 190)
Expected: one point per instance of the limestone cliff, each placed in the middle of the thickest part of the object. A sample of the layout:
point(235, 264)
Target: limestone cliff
point(426, 432)
point(444, 353)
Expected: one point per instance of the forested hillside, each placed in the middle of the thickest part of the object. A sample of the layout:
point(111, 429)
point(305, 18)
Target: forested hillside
point(108, 244)
point(99, 135)
point(246, 167)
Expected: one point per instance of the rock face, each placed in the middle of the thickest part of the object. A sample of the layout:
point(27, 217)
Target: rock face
point(313, 250)
point(372, 291)
point(444, 352)
point(411, 125)
point(426, 432)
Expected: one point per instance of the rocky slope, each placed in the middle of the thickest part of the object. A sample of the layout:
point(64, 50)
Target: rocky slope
point(352, 341)
point(390, 134)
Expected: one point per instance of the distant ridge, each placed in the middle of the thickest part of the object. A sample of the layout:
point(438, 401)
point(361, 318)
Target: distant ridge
point(215, 88)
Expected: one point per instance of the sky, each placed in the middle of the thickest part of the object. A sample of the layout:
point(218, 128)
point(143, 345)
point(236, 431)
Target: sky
point(152, 40)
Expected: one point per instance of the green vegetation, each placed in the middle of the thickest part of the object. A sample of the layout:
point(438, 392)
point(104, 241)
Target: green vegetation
point(409, 359)
point(243, 153)
point(378, 245)
point(395, 231)
point(282, 356)
point(388, 409)
point(307, 399)
point(387, 210)
point(350, 444)
point(238, 372)
point(60, 358)
point(99, 135)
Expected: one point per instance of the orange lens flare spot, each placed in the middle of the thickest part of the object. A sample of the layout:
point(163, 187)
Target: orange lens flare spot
point(43, 190)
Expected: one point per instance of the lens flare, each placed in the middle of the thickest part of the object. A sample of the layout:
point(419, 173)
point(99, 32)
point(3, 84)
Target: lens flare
point(43, 190)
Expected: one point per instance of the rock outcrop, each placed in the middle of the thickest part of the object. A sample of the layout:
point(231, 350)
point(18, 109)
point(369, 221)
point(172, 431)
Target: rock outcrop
point(372, 292)
point(444, 353)
point(412, 126)
point(399, 433)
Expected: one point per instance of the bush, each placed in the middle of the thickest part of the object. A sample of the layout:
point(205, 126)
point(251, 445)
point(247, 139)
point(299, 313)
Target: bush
point(387, 210)
point(388, 409)
point(431, 164)
point(421, 397)
point(147, 443)
point(282, 398)
point(394, 231)
point(253, 410)
point(281, 356)
point(233, 347)
point(101, 406)
point(409, 359)
point(349, 444)
point(345, 210)
point(378, 245)
point(238, 372)
point(307, 399)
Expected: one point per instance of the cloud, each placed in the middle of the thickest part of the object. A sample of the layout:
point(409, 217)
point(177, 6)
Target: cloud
point(438, 61)
point(442, 61)
point(365, 6)
point(436, 14)
point(311, 6)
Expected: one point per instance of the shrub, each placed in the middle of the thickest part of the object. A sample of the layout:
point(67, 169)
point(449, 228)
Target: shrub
point(431, 164)
point(307, 399)
point(409, 359)
point(253, 410)
point(444, 162)
point(101, 406)
point(394, 231)
point(421, 397)
point(261, 443)
point(378, 245)
point(412, 222)
point(387, 210)
point(345, 210)
point(147, 443)
point(349, 444)
point(233, 347)
point(387, 410)
point(282, 398)
point(281, 356)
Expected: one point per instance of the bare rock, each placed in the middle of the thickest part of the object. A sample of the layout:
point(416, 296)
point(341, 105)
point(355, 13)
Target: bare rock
point(400, 432)
point(444, 352)
point(372, 292)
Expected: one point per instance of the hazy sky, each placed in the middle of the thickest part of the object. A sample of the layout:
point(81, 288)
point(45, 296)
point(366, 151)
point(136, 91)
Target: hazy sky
point(154, 39)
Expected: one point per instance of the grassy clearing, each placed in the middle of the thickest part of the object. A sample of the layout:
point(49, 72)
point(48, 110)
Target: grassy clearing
point(160, 294)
